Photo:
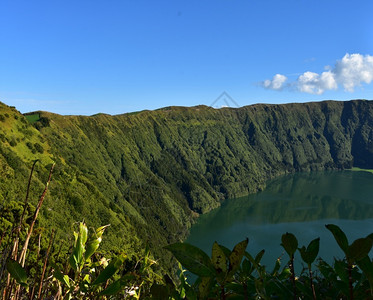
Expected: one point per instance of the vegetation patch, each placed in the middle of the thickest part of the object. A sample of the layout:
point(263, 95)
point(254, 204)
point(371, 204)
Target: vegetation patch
point(149, 174)
point(32, 118)
point(361, 170)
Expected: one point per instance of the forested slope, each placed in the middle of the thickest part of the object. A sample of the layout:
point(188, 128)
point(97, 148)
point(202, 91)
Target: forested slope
point(150, 173)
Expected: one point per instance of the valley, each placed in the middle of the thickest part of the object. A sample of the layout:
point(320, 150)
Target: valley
point(150, 174)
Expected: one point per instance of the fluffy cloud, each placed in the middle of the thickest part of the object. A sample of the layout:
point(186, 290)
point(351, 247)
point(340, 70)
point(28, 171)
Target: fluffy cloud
point(314, 83)
point(276, 83)
point(354, 69)
point(351, 71)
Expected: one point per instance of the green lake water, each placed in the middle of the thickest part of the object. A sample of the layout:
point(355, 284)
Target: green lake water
point(302, 204)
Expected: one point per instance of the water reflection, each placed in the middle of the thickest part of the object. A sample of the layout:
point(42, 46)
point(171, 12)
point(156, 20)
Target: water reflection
point(302, 204)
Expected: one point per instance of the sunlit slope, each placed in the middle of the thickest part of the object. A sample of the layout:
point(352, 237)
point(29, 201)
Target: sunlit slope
point(148, 173)
point(71, 198)
point(20, 145)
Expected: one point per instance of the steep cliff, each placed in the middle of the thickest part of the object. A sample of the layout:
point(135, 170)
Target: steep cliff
point(149, 173)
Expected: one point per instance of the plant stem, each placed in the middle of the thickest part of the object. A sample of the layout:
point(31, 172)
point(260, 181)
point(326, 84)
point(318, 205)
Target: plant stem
point(312, 285)
point(14, 255)
point(26, 198)
point(293, 276)
point(350, 281)
point(222, 293)
point(245, 290)
point(45, 264)
point(22, 257)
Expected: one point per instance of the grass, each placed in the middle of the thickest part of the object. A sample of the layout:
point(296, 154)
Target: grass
point(361, 170)
point(33, 117)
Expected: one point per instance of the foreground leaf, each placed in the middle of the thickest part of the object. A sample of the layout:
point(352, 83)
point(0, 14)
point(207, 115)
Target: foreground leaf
point(113, 288)
point(290, 243)
point(204, 287)
point(218, 259)
point(192, 258)
point(226, 251)
point(110, 270)
point(236, 256)
point(16, 271)
point(259, 256)
point(339, 236)
point(76, 257)
point(94, 242)
point(359, 249)
point(60, 276)
point(366, 265)
point(309, 255)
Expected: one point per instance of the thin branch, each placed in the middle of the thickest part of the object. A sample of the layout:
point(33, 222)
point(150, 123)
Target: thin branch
point(22, 257)
point(45, 264)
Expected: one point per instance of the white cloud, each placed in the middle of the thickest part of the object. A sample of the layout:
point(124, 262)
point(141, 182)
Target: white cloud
point(314, 83)
point(276, 83)
point(351, 71)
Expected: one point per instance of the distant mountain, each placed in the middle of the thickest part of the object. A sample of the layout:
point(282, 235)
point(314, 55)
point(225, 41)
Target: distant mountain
point(149, 174)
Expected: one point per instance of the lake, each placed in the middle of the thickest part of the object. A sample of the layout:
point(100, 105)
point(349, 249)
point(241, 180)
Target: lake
point(300, 203)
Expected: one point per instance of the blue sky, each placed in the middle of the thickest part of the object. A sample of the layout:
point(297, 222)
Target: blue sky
point(117, 56)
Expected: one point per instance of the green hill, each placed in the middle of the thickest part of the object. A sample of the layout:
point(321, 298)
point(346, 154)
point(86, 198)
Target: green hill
point(149, 174)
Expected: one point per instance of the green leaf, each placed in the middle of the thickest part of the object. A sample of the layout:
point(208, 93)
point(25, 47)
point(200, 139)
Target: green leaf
point(66, 280)
point(113, 288)
point(313, 249)
point(326, 270)
point(17, 271)
point(73, 262)
point(100, 230)
point(359, 249)
point(110, 270)
point(76, 257)
point(226, 251)
point(91, 248)
point(60, 276)
point(285, 273)
point(259, 256)
point(237, 289)
point(290, 243)
point(236, 256)
point(276, 268)
point(83, 231)
point(309, 255)
point(340, 268)
point(218, 259)
point(246, 267)
point(204, 287)
point(192, 258)
point(339, 236)
point(94, 242)
point(366, 266)
point(251, 259)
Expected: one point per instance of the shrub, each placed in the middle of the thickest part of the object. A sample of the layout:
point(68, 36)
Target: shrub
point(39, 148)
point(13, 142)
point(236, 274)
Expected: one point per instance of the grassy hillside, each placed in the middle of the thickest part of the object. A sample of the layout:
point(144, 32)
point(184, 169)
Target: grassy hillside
point(149, 174)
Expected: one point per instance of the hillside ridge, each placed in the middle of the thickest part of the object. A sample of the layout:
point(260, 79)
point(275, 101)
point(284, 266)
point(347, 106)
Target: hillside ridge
point(150, 173)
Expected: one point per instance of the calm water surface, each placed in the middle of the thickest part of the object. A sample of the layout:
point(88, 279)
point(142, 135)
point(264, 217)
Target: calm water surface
point(301, 204)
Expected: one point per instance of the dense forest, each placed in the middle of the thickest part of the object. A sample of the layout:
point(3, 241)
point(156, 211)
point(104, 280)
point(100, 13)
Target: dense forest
point(150, 174)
